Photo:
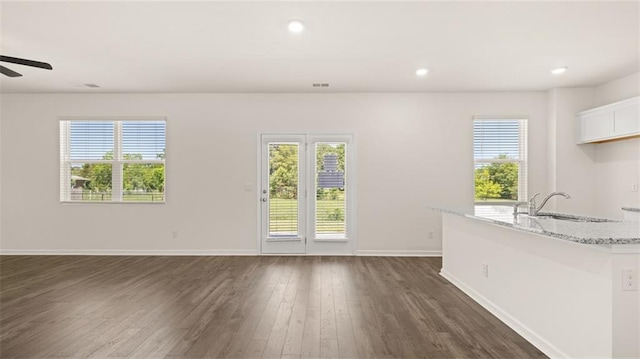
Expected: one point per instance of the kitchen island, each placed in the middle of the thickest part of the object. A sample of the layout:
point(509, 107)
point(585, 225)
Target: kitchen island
point(557, 280)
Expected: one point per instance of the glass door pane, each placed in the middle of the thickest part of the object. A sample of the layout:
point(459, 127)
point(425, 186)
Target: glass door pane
point(331, 191)
point(284, 168)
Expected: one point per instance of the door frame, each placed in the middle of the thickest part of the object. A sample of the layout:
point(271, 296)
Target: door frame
point(319, 246)
point(283, 245)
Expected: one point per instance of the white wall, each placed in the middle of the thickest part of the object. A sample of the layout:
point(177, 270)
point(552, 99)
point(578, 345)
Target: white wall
point(617, 164)
point(598, 176)
point(571, 167)
point(617, 90)
point(412, 150)
point(617, 169)
point(552, 148)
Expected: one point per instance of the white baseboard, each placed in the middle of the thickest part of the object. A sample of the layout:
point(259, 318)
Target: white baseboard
point(306, 254)
point(129, 252)
point(223, 252)
point(393, 253)
point(531, 336)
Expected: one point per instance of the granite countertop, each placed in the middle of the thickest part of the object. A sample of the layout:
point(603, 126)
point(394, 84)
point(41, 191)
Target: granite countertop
point(580, 229)
point(631, 209)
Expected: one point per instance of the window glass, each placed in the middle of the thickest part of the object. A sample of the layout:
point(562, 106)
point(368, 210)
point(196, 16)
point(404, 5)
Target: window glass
point(500, 157)
point(112, 161)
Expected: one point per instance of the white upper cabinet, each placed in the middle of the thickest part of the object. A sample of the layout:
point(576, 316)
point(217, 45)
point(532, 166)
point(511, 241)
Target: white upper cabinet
point(596, 125)
point(610, 122)
point(626, 120)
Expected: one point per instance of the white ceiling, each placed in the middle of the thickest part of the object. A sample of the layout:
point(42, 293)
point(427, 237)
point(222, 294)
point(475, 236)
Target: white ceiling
point(355, 46)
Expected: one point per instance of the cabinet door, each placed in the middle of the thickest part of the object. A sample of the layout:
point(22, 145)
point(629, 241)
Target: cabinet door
point(627, 120)
point(597, 125)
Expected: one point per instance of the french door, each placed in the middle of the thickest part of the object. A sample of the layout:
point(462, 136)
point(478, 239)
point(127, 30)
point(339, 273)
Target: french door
point(306, 196)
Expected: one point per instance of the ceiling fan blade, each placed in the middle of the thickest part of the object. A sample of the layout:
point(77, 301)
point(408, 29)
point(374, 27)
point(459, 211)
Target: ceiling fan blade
point(8, 72)
point(15, 60)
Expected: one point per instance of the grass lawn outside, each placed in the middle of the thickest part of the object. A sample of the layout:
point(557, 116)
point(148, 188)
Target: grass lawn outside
point(330, 217)
point(126, 197)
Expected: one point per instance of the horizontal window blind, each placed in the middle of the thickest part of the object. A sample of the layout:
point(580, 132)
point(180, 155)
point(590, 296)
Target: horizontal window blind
point(143, 140)
point(91, 140)
point(495, 138)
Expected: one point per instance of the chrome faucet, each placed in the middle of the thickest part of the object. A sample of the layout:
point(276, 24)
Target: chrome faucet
point(533, 210)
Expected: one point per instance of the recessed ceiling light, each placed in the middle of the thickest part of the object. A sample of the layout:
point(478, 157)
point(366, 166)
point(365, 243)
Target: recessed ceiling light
point(295, 26)
point(422, 72)
point(559, 70)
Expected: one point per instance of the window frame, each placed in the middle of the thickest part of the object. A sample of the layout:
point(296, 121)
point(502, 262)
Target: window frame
point(117, 163)
point(522, 161)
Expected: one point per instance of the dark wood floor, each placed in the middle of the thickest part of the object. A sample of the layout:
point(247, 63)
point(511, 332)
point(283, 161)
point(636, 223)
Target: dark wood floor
point(269, 307)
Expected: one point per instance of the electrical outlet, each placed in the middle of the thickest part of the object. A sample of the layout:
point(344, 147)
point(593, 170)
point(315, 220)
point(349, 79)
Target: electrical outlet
point(629, 279)
point(634, 187)
point(485, 270)
point(174, 234)
point(430, 234)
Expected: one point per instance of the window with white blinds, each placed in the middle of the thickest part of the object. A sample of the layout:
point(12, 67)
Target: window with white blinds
point(500, 157)
point(112, 161)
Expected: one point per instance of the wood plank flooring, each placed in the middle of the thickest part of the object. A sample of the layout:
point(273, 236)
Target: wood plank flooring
point(242, 307)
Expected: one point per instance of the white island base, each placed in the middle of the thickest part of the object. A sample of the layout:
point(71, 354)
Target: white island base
point(565, 298)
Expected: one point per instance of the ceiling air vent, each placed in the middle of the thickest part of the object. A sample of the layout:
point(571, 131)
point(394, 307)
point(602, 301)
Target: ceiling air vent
point(320, 84)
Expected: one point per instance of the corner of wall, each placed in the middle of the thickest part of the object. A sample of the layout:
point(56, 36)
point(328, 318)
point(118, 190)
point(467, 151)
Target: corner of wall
point(598, 176)
point(617, 90)
point(551, 139)
point(617, 163)
point(572, 167)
